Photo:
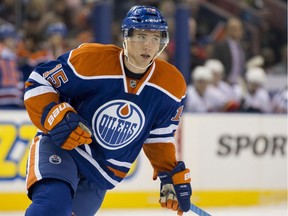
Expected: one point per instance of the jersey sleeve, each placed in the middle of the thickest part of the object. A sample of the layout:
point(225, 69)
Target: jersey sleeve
point(159, 147)
point(161, 156)
point(54, 81)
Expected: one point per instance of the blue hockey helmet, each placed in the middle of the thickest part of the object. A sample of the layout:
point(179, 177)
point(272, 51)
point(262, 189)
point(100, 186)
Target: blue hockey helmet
point(144, 17)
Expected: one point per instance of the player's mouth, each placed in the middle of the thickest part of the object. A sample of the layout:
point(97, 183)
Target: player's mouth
point(146, 56)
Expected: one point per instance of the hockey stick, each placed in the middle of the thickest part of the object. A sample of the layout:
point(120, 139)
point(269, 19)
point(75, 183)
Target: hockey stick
point(198, 210)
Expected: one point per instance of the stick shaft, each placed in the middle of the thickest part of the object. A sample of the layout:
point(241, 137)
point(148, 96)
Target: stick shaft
point(198, 210)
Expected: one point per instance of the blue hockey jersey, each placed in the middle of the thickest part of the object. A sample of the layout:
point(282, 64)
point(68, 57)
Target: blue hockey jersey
point(125, 114)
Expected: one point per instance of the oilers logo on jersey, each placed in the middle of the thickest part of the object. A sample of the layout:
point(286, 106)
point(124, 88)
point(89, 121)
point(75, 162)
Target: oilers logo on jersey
point(117, 123)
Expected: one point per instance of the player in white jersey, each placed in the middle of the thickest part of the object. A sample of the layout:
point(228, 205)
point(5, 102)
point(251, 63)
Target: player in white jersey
point(201, 96)
point(218, 84)
point(96, 107)
point(256, 98)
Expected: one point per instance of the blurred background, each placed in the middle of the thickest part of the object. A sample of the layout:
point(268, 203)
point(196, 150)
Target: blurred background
point(233, 56)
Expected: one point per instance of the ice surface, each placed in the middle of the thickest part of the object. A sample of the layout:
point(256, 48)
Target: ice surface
point(273, 210)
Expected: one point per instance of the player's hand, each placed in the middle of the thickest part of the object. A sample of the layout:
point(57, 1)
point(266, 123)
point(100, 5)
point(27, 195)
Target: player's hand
point(67, 129)
point(175, 190)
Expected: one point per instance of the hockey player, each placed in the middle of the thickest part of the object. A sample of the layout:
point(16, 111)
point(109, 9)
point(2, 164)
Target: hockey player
point(96, 107)
point(256, 98)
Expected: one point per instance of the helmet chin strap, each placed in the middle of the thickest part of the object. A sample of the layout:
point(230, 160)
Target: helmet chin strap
point(127, 56)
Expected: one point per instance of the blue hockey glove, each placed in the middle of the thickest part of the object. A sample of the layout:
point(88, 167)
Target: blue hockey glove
point(175, 189)
point(67, 129)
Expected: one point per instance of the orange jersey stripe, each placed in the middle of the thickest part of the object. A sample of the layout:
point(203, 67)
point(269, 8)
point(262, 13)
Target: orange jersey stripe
point(31, 175)
point(117, 172)
point(35, 106)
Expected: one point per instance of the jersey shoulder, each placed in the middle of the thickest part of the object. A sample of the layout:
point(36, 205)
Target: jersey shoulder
point(94, 59)
point(169, 78)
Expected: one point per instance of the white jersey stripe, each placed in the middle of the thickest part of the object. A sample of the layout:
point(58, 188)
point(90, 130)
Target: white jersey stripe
point(96, 165)
point(28, 165)
point(147, 79)
point(164, 91)
point(120, 163)
point(38, 91)
point(160, 140)
point(166, 130)
point(36, 165)
point(123, 72)
point(39, 79)
point(88, 149)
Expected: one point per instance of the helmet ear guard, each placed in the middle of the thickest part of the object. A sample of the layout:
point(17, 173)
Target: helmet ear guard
point(124, 44)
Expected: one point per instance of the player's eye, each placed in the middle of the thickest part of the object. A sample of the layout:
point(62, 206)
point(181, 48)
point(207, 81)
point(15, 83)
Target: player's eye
point(156, 39)
point(142, 38)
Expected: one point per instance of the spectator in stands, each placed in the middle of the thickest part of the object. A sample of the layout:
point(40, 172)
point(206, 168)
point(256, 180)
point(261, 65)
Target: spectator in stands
point(198, 53)
point(218, 84)
point(31, 52)
point(169, 10)
point(256, 99)
point(280, 101)
point(56, 33)
point(200, 96)
point(11, 82)
point(7, 10)
point(230, 51)
point(33, 24)
point(60, 10)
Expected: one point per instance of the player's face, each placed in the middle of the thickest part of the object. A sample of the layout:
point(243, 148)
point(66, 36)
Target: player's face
point(201, 85)
point(217, 77)
point(253, 87)
point(142, 46)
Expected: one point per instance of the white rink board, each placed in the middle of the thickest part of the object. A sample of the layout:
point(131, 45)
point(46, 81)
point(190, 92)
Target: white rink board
point(236, 151)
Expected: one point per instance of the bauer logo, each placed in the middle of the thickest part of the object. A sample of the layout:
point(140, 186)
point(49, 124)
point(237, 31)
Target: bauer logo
point(117, 123)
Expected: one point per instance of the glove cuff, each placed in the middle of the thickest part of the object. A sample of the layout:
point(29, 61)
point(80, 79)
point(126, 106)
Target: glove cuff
point(182, 177)
point(56, 112)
